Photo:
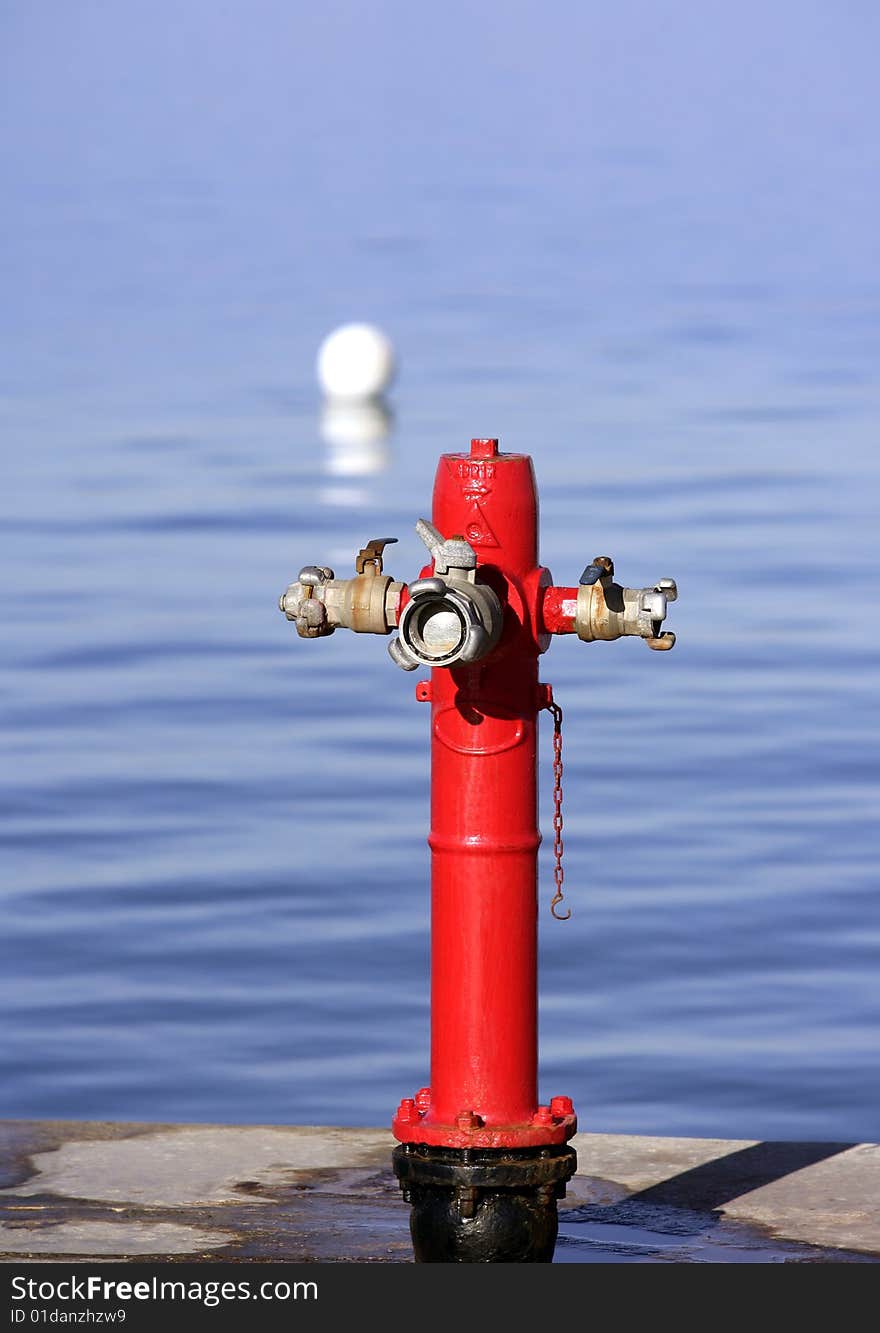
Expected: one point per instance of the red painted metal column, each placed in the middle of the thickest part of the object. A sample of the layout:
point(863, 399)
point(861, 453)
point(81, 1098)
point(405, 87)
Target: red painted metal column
point(484, 833)
point(480, 1160)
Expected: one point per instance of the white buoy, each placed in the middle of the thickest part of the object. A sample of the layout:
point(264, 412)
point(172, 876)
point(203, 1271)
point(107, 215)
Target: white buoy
point(355, 361)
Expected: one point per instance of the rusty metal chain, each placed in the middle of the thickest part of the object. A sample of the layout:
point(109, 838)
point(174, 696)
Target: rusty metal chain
point(558, 872)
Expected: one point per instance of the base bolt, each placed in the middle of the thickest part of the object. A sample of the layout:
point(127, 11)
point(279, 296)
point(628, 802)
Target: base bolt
point(562, 1106)
point(466, 1198)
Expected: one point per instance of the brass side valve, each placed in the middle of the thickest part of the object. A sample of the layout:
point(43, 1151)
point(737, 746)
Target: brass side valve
point(319, 602)
point(605, 610)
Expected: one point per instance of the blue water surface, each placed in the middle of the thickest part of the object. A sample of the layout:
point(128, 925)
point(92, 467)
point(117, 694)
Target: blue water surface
point(637, 242)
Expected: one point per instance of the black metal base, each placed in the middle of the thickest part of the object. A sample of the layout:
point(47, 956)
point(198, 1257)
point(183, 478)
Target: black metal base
point(483, 1205)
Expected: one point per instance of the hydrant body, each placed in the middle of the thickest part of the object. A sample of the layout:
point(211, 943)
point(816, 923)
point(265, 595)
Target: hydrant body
point(484, 833)
point(480, 1159)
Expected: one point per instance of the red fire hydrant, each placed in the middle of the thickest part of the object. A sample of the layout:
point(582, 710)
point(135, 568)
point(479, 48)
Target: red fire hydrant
point(481, 1161)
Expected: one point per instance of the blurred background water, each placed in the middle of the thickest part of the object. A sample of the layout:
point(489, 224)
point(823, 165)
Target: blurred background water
point(638, 242)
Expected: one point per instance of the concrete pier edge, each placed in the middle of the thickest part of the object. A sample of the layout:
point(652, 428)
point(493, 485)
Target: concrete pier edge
point(125, 1191)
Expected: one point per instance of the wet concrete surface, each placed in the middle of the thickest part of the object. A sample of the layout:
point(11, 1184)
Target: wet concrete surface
point(313, 1194)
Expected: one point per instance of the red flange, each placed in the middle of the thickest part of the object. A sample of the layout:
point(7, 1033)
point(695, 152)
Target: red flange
point(551, 1124)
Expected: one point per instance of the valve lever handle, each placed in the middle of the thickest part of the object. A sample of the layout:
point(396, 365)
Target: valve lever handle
point(600, 567)
point(371, 554)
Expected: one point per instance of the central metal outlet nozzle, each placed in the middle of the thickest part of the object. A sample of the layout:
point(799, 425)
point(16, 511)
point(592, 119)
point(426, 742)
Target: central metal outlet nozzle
point(446, 622)
point(449, 618)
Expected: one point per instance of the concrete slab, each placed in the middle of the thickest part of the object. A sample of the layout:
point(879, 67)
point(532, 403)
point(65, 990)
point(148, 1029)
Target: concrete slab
point(308, 1193)
point(176, 1168)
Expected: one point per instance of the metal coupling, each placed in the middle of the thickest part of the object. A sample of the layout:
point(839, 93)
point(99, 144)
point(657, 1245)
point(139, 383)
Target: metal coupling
point(319, 603)
point(450, 619)
point(605, 610)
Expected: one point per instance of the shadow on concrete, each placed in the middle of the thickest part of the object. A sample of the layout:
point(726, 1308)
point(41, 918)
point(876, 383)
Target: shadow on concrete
point(706, 1187)
point(690, 1204)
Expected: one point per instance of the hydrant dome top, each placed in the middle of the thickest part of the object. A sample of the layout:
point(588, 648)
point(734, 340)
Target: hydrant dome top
point(485, 447)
